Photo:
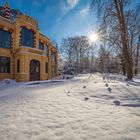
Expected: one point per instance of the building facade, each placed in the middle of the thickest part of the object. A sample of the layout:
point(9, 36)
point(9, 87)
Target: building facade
point(25, 53)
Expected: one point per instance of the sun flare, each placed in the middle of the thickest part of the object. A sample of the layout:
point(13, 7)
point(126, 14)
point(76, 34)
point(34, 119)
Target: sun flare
point(93, 37)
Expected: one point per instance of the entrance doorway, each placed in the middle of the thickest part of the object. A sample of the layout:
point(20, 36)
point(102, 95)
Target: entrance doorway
point(34, 70)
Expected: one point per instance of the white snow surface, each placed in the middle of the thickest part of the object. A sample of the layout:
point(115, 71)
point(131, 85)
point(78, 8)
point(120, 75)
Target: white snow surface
point(78, 109)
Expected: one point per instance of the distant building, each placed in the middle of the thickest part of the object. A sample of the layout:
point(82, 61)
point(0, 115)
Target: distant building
point(25, 53)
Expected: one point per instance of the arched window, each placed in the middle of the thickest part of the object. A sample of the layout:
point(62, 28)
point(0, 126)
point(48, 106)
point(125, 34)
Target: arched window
point(27, 37)
point(5, 39)
point(18, 66)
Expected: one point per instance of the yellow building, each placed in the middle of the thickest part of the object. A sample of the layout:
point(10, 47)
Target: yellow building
point(25, 53)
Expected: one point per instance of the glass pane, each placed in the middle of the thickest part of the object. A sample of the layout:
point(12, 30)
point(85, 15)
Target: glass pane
point(18, 66)
point(46, 50)
point(4, 64)
point(5, 39)
point(27, 38)
point(53, 56)
point(46, 67)
point(41, 46)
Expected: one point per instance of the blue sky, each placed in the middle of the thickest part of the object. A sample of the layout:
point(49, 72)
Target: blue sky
point(58, 19)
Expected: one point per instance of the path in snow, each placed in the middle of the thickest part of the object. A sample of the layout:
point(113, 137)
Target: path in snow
point(59, 111)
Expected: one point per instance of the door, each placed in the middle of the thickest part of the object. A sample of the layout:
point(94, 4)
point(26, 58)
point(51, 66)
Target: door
point(34, 70)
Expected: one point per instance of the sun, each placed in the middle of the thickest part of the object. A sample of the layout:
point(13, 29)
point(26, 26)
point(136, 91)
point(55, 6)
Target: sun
point(93, 37)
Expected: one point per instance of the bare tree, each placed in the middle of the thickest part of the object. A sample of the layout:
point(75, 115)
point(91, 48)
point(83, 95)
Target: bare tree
point(136, 30)
point(113, 14)
point(76, 51)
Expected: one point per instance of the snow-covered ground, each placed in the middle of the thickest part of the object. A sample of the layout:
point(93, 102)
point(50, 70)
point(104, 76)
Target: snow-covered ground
point(78, 109)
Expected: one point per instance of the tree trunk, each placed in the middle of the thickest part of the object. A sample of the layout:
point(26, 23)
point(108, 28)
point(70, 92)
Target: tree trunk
point(137, 57)
point(124, 38)
point(123, 66)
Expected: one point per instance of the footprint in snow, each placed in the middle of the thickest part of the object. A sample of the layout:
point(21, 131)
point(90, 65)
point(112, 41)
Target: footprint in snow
point(86, 98)
point(117, 103)
point(68, 93)
point(106, 84)
point(84, 86)
point(109, 89)
point(103, 77)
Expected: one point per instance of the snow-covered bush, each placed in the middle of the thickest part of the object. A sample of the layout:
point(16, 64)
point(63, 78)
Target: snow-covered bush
point(7, 82)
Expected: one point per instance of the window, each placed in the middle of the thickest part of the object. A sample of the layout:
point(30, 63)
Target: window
point(46, 50)
point(2, 12)
point(5, 39)
point(4, 64)
point(18, 66)
point(53, 56)
point(46, 68)
point(52, 71)
point(41, 46)
point(27, 37)
point(13, 16)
